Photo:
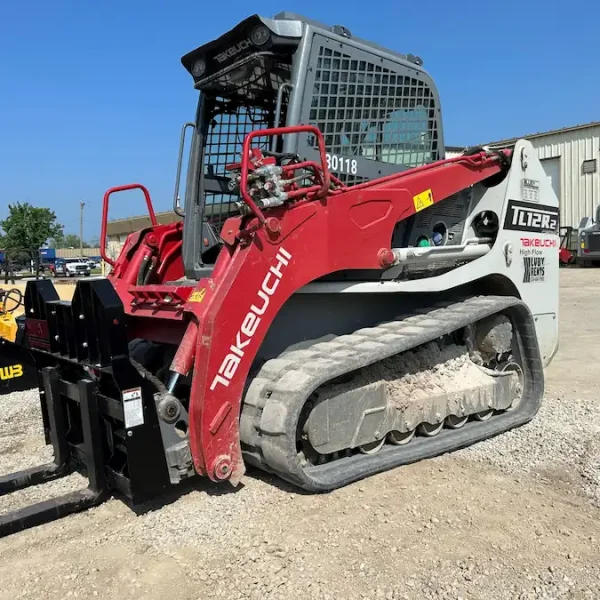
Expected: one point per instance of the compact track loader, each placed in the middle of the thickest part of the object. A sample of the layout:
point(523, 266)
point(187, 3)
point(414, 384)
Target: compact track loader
point(337, 300)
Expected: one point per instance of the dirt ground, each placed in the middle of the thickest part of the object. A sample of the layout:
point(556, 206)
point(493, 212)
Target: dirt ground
point(515, 517)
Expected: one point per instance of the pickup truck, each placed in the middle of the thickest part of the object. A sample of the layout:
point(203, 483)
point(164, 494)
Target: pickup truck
point(75, 267)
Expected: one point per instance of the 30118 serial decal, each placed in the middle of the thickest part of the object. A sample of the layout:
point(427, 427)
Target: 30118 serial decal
point(341, 164)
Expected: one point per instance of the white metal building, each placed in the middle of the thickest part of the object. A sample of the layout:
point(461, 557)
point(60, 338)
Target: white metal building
point(571, 159)
point(452, 151)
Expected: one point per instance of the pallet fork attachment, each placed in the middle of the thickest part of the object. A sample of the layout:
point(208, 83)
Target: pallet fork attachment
point(89, 389)
point(95, 493)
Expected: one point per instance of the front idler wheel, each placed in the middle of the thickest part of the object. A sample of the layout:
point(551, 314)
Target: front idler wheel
point(517, 389)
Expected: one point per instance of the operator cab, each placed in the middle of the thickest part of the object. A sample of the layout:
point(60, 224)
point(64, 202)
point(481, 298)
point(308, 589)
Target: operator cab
point(379, 112)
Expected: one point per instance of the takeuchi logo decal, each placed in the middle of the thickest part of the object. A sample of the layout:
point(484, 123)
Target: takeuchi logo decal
point(251, 321)
point(233, 50)
point(538, 242)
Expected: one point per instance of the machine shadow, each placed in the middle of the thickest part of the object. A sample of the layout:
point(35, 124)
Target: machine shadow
point(204, 485)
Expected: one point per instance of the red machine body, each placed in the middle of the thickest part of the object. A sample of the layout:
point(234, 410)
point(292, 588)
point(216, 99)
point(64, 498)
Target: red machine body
point(219, 322)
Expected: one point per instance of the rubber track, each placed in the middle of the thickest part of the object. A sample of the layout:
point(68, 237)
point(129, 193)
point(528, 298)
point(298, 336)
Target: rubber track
point(275, 397)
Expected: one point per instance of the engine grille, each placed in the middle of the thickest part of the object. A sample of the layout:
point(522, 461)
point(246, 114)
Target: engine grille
point(593, 242)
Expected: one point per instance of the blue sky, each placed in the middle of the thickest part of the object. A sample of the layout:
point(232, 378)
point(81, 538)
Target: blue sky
point(92, 93)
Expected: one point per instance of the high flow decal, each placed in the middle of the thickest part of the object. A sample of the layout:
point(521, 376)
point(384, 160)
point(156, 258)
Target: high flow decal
point(252, 320)
point(537, 218)
point(534, 252)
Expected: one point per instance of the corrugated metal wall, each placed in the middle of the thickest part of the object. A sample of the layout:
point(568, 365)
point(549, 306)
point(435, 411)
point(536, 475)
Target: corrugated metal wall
point(114, 247)
point(453, 153)
point(579, 192)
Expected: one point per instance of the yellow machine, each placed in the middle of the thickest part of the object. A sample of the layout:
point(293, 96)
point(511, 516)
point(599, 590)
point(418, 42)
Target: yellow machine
point(10, 301)
point(8, 327)
point(17, 371)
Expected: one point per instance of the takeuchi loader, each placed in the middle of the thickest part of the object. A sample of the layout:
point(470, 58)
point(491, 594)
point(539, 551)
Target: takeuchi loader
point(337, 300)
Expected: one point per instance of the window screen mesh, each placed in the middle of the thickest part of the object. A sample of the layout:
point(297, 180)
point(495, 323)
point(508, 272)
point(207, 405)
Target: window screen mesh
point(368, 111)
point(238, 103)
point(226, 133)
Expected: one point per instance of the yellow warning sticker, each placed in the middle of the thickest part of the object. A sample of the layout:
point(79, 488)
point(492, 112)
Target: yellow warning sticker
point(197, 295)
point(423, 200)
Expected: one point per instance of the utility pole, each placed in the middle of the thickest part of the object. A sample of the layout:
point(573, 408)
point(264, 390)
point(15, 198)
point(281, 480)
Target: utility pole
point(81, 205)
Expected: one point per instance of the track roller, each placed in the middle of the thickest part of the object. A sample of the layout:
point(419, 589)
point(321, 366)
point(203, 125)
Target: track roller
point(398, 438)
point(373, 447)
point(456, 422)
point(430, 429)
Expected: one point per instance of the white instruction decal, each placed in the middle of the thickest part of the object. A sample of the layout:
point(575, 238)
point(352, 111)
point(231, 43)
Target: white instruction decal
point(133, 410)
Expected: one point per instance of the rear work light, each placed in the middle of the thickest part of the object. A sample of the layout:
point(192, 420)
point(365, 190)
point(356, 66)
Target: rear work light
point(260, 35)
point(198, 68)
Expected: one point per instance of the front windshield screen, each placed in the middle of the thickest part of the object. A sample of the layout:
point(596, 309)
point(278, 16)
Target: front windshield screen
point(237, 102)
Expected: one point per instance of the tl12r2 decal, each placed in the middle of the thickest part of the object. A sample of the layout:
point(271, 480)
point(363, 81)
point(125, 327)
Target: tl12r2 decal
point(537, 218)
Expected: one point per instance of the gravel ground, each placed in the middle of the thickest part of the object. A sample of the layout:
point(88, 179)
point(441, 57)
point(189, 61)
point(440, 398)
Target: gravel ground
point(563, 442)
point(513, 517)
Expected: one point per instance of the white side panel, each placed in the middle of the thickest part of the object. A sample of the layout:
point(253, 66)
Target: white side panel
point(525, 252)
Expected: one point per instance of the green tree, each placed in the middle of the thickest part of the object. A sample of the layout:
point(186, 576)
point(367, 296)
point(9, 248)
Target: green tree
point(72, 241)
point(27, 228)
point(57, 241)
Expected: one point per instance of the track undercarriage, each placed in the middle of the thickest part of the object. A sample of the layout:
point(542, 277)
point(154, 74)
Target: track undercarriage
point(405, 390)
